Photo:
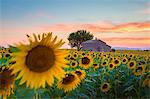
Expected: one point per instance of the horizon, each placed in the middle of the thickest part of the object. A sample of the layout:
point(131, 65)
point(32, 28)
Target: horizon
point(119, 23)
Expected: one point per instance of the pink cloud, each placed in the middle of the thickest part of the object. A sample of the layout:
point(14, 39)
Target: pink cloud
point(128, 42)
point(97, 27)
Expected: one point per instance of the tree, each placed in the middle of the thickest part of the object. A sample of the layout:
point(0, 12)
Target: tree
point(76, 38)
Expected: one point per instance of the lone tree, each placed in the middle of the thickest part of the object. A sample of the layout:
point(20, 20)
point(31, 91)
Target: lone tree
point(76, 38)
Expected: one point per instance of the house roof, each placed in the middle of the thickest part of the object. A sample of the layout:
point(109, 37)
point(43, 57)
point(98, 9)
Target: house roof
point(93, 41)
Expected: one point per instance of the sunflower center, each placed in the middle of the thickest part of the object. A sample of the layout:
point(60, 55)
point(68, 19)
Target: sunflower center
point(105, 86)
point(71, 58)
point(131, 64)
point(68, 79)
point(104, 63)
point(116, 61)
point(73, 64)
point(111, 65)
point(83, 54)
point(85, 60)
point(78, 73)
point(75, 55)
point(40, 59)
point(94, 65)
point(124, 60)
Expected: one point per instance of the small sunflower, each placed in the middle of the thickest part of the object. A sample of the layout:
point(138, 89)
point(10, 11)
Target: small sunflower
point(131, 64)
point(72, 58)
point(6, 82)
point(75, 55)
point(73, 64)
point(86, 62)
point(95, 65)
point(117, 62)
point(2, 50)
point(140, 70)
point(124, 60)
point(146, 82)
point(69, 82)
point(83, 53)
point(7, 55)
point(68, 56)
point(111, 66)
point(105, 87)
point(111, 59)
point(104, 63)
point(80, 73)
point(39, 61)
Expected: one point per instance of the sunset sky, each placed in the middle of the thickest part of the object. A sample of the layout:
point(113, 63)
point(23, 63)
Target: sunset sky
point(120, 23)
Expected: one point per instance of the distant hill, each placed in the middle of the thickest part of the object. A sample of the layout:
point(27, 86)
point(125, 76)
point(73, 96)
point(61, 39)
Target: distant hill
point(126, 48)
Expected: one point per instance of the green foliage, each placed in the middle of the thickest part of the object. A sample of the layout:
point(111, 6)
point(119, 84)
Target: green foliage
point(76, 38)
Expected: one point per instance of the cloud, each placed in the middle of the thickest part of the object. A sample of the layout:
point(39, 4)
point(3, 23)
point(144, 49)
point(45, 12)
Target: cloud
point(128, 42)
point(100, 27)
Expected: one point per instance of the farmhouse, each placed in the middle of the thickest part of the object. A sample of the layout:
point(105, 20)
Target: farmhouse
point(95, 45)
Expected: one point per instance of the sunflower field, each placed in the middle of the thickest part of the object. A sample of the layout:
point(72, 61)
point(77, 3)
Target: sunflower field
point(41, 70)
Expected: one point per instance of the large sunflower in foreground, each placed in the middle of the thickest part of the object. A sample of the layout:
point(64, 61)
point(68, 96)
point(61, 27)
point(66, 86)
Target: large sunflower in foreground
point(39, 61)
point(6, 82)
point(69, 82)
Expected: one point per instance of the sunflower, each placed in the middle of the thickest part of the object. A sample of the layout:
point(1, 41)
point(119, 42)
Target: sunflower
point(95, 65)
point(6, 82)
point(80, 73)
point(72, 58)
point(7, 55)
point(111, 66)
point(131, 64)
point(75, 55)
point(83, 53)
point(124, 60)
point(104, 63)
point(73, 64)
point(39, 61)
point(69, 82)
point(117, 62)
point(140, 70)
point(105, 87)
point(2, 50)
point(86, 62)
point(111, 59)
point(146, 82)
point(68, 56)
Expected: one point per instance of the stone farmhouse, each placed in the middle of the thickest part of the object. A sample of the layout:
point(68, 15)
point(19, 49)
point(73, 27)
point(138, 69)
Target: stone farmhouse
point(95, 45)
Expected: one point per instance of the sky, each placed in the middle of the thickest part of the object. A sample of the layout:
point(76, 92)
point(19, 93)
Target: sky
point(120, 23)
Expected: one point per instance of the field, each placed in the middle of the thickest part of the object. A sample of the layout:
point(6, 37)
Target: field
point(89, 75)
